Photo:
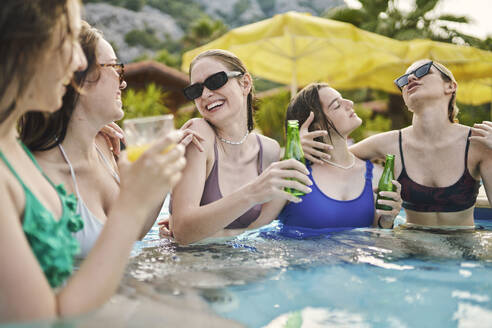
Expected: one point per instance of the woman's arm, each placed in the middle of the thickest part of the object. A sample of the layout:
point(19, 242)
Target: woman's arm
point(481, 140)
point(376, 146)
point(142, 185)
point(191, 222)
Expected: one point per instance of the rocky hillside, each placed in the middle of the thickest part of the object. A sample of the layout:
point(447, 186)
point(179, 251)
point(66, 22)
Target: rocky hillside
point(141, 27)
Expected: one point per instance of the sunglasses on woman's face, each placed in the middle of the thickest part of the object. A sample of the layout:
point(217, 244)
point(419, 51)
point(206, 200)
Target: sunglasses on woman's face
point(213, 82)
point(418, 72)
point(119, 68)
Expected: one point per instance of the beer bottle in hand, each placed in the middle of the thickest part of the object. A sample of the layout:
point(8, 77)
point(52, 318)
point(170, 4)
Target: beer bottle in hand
point(293, 149)
point(385, 183)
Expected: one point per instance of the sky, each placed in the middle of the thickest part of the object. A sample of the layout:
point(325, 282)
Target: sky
point(478, 11)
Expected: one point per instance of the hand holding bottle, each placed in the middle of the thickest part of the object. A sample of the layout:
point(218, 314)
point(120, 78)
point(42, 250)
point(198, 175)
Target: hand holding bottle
point(388, 201)
point(273, 181)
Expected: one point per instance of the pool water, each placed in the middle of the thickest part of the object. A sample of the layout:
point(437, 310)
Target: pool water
point(357, 278)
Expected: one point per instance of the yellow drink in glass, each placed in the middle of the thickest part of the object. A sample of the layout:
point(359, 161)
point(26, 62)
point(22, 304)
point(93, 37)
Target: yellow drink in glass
point(143, 131)
point(133, 152)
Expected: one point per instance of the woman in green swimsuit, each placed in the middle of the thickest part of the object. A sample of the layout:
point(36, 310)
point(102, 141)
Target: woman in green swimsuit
point(38, 57)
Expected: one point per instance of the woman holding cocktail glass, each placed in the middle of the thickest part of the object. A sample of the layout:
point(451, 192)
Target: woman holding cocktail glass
point(437, 165)
point(40, 53)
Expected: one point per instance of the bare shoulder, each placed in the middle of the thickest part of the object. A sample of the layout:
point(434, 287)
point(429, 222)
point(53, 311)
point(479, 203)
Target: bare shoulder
point(11, 193)
point(271, 149)
point(201, 126)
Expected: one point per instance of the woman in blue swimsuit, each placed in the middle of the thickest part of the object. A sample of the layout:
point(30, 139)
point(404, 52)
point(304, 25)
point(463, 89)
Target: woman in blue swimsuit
point(342, 192)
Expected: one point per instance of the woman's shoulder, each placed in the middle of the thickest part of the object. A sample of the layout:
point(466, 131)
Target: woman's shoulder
point(11, 190)
point(201, 126)
point(271, 148)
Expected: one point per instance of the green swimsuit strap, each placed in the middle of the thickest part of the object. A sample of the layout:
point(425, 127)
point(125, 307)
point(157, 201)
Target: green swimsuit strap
point(11, 168)
point(51, 241)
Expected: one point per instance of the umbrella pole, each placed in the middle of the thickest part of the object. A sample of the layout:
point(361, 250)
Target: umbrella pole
point(293, 83)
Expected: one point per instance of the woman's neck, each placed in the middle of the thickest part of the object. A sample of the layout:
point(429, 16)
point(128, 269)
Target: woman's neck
point(340, 153)
point(233, 132)
point(8, 129)
point(80, 139)
point(431, 122)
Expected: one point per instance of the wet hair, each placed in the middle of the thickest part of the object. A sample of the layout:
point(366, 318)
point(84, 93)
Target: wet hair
point(27, 29)
point(43, 131)
point(447, 76)
point(233, 63)
point(305, 101)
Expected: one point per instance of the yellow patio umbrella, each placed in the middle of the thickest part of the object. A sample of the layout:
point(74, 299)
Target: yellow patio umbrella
point(471, 67)
point(297, 49)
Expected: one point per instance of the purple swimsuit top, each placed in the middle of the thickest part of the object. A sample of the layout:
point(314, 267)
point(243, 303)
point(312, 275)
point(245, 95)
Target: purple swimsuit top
point(211, 191)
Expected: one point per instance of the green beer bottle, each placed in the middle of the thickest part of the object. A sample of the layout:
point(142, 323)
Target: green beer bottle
point(385, 183)
point(293, 149)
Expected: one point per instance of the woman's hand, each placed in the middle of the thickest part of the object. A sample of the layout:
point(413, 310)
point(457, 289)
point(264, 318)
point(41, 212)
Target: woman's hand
point(164, 230)
point(270, 183)
point(313, 150)
point(145, 183)
point(484, 132)
point(386, 218)
point(190, 136)
point(113, 135)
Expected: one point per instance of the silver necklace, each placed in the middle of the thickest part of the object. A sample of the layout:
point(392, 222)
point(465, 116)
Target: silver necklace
point(341, 166)
point(240, 142)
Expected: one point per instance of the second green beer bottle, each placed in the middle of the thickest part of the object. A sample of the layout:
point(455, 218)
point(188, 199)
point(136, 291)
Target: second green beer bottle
point(385, 183)
point(293, 149)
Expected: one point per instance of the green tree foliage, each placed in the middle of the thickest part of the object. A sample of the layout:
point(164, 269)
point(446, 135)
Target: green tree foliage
point(270, 115)
point(183, 11)
point(169, 59)
point(150, 102)
point(371, 123)
point(240, 7)
point(267, 6)
point(144, 38)
point(135, 5)
point(382, 17)
point(202, 31)
point(469, 115)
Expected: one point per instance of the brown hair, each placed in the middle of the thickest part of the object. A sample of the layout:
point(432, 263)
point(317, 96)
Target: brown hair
point(41, 131)
point(305, 101)
point(26, 30)
point(233, 63)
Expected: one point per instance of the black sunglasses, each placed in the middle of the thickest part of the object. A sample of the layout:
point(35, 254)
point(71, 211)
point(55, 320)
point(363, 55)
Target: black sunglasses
point(119, 68)
point(213, 82)
point(418, 72)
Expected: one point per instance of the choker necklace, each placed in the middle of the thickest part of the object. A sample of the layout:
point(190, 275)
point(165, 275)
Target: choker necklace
point(341, 166)
point(240, 142)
